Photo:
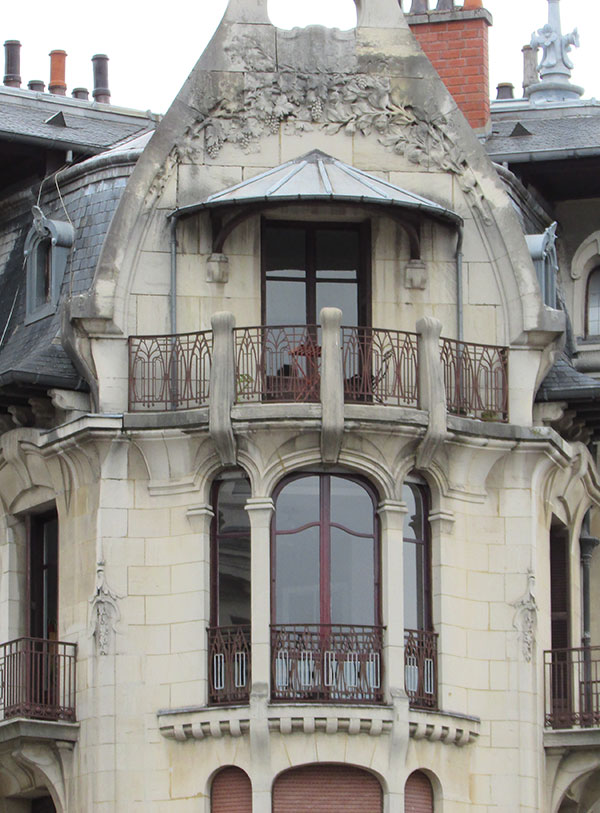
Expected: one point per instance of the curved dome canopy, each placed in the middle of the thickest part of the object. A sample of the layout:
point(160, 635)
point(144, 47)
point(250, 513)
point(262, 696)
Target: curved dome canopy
point(316, 177)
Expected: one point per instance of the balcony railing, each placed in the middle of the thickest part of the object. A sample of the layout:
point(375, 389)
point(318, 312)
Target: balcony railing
point(321, 663)
point(283, 364)
point(380, 366)
point(326, 663)
point(420, 668)
point(169, 372)
point(572, 687)
point(229, 665)
point(476, 379)
point(37, 679)
point(277, 363)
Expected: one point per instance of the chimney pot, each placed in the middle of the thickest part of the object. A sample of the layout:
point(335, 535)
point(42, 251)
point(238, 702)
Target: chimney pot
point(471, 4)
point(12, 63)
point(101, 91)
point(505, 90)
point(81, 93)
point(57, 84)
point(419, 6)
point(36, 85)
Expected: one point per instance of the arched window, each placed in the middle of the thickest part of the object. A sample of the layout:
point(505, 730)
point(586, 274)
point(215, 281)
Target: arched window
point(229, 634)
point(231, 792)
point(593, 303)
point(325, 590)
point(418, 794)
point(314, 788)
point(420, 672)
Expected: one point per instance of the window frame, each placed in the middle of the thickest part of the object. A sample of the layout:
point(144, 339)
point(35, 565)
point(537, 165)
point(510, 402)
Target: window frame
point(425, 495)
point(588, 334)
point(325, 547)
point(58, 236)
point(310, 227)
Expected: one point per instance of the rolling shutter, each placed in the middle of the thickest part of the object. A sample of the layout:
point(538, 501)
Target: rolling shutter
point(231, 792)
point(418, 794)
point(327, 789)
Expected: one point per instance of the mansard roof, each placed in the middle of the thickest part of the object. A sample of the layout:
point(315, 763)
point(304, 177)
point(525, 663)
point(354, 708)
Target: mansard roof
point(316, 177)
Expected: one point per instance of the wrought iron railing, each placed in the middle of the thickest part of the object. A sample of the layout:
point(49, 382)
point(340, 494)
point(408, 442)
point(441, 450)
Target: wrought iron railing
point(229, 665)
point(572, 687)
point(169, 372)
point(420, 668)
point(277, 363)
point(380, 366)
point(476, 379)
point(37, 679)
point(326, 663)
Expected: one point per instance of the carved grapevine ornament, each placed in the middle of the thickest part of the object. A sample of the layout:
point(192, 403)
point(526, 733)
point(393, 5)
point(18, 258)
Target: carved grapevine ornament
point(361, 104)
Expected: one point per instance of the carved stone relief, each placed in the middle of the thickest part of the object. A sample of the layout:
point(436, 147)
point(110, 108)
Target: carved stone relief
point(105, 612)
point(525, 620)
point(360, 104)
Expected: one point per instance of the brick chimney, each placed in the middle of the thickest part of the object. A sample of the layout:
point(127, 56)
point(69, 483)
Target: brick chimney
point(456, 42)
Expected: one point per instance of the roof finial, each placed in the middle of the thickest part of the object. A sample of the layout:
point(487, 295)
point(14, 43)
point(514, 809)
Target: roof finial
point(555, 65)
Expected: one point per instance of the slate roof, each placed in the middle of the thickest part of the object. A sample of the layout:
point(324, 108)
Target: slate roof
point(24, 115)
point(572, 130)
point(565, 383)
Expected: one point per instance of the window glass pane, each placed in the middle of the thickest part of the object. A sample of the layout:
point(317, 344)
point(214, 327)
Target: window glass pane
point(286, 302)
point(352, 579)
point(413, 520)
point(234, 580)
point(42, 273)
point(284, 248)
point(337, 249)
point(594, 303)
point(415, 616)
point(231, 512)
point(342, 295)
point(351, 506)
point(297, 577)
point(233, 554)
point(298, 504)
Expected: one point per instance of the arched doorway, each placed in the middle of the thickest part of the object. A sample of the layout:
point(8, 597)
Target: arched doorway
point(325, 789)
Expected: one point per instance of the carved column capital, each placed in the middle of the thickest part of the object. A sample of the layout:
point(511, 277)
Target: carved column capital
point(222, 387)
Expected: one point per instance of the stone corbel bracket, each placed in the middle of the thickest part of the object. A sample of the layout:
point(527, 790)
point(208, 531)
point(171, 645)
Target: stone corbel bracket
point(432, 392)
point(447, 728)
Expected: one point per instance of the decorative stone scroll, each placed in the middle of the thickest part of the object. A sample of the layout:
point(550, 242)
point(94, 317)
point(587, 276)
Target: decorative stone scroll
point(105, 613)
point(525, 620)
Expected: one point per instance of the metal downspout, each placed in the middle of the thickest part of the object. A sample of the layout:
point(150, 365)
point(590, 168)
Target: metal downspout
point(173, 290)
point(459, 284)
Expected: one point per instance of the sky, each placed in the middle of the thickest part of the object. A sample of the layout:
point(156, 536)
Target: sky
point(152, 51)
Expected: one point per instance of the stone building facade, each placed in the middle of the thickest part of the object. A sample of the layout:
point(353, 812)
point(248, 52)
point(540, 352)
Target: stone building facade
point(292, 531)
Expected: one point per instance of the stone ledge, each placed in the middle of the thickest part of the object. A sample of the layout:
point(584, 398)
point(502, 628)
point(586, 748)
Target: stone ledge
point(40, 730)
point(447, 727)
point(202, 723)
point(572, 739)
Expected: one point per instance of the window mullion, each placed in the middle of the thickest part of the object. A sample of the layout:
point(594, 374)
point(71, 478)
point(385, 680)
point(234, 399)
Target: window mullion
point(325, 549)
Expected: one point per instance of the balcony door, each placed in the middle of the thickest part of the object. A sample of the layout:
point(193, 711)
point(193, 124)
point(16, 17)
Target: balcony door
point(326, 634)
point(307, 267)
point(43, 577)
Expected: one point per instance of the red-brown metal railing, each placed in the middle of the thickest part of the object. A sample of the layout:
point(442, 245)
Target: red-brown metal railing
point(37, 679)
point(277, 363)
point(380, 366)
point(420, 668)
point(476, 379)
point(169, 372)
point(229, 665)
point(326, 663)
point(572, 687)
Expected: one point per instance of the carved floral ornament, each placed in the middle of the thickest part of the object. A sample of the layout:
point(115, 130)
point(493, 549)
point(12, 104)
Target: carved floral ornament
point(355, 104)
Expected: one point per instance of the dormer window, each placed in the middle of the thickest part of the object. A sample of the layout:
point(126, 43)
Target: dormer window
point(593, 303)
point(46, 249)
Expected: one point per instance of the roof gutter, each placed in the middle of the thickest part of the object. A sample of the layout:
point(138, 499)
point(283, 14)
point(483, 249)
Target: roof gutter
point(544, 155)
point(52, 143)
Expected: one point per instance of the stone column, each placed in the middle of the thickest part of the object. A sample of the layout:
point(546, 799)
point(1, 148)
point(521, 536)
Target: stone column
point(260, 511)
point(222, 387)
point(332, 385)
point(587, 545)
point(391, 514)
